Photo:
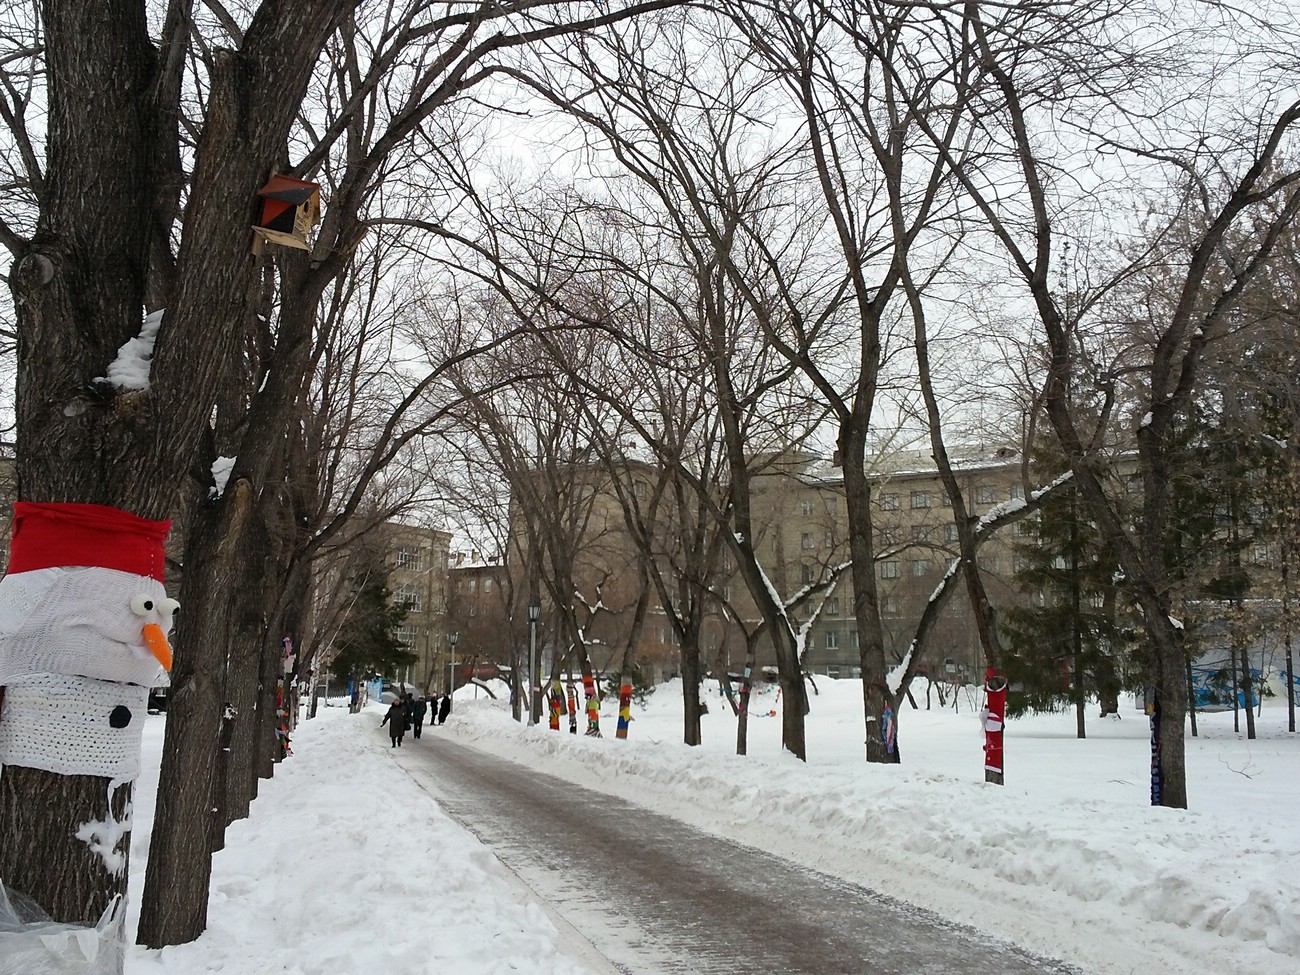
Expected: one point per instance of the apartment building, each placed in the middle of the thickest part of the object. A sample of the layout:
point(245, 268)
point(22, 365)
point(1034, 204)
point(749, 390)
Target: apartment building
point(802, 542)
point(416, 558)
point(479, 610)
point(916, 541)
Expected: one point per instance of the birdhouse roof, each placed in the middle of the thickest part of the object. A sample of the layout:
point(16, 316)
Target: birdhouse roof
point(290, 190)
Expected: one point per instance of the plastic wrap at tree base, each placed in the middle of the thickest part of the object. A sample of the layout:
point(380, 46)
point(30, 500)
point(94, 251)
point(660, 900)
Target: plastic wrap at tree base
point(32, 944)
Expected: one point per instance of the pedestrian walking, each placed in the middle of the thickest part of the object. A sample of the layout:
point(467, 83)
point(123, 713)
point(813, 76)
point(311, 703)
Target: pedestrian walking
point(444, 709)
point(409, 699)
point(421, 709)
point(396, 721)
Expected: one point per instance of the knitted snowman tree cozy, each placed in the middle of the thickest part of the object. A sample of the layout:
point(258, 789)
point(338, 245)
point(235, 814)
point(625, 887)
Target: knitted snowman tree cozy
point(83, 636)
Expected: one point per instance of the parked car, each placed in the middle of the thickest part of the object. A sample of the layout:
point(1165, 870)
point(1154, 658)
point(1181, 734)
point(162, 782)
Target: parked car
point(391, 689)
point(157, 700)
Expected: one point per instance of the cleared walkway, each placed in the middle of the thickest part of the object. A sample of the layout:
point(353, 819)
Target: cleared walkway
point(652, 896)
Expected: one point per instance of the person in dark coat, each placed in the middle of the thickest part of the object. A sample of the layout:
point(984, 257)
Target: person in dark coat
point(421, 709)
point(396, 721)
point(410, 711)
point(444, 709)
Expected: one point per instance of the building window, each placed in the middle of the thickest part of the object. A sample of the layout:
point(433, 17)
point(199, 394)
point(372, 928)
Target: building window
point(853, 641)
point(833, 606)
point(806, 541)
point(889, 536)
point(1025, 528)
point(889, 604)
point(921, 567)
point(920, 499)
point(638, 489)
point(832, 640)
point(889, 502)
point(830, 539)
point(889, 570)
point(1134, 485)
point(805, 508)
point(920, 533)
point(487, 585)
point(810, 641)
point(410, 558)
point(950, 533)
point(809, 573)
point(986, 494)
point(1015, 492)
point(406, 635)
point(409, 597)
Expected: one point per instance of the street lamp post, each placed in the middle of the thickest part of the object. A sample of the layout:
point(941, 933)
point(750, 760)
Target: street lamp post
point(452, 638)
point(534, 613)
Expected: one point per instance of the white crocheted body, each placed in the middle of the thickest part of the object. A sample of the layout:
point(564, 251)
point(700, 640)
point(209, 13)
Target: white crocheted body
point(73, 725)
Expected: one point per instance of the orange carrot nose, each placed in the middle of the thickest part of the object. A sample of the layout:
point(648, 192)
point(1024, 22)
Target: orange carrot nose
point(156, 640)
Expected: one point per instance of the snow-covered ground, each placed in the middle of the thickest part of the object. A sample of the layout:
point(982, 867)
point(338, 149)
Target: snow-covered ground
point(346, 865)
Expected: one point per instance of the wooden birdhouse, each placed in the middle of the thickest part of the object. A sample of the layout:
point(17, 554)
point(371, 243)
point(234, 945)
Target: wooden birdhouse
point(290, 208)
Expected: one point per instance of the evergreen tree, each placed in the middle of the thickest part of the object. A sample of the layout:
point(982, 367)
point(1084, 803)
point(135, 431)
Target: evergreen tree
point(367, 644)
point(1066, 640)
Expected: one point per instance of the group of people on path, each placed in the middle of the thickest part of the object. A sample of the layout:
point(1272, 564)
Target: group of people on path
point(407, 713)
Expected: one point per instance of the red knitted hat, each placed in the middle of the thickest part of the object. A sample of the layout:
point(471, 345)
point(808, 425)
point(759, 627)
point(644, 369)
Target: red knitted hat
point(50, 535)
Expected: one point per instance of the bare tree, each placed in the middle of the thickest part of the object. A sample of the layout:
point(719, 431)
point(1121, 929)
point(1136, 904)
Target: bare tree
point(80, 280)
point(1041, 72)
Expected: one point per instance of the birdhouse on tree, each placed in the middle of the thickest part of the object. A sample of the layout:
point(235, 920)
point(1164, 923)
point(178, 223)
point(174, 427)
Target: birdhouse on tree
point(290, 208)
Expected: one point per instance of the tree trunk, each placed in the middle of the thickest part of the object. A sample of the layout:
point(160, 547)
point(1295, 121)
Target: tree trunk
point(82, 885)
point(1170, 662)
point(173, 906)
point(876, 695)
point(221, 784)
point(746, 687)
point(79, 292)
point(242, 680)
point(691, 677)
point(1247, 690)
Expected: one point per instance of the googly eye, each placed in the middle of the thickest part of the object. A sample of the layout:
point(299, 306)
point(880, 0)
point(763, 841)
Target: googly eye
point(143, 605)
point(168, 607)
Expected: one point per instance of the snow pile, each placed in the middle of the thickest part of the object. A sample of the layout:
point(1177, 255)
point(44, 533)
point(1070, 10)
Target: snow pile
point(346, 865)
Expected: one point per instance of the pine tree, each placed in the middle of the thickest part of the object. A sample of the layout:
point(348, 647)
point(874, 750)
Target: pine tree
point(367, 644)
point(1067, 640)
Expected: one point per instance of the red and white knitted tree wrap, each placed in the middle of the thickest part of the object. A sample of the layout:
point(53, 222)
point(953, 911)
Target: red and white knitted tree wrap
point(66, 603)
point(84, 582)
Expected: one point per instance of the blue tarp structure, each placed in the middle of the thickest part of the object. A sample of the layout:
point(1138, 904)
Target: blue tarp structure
point(1212, 685)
